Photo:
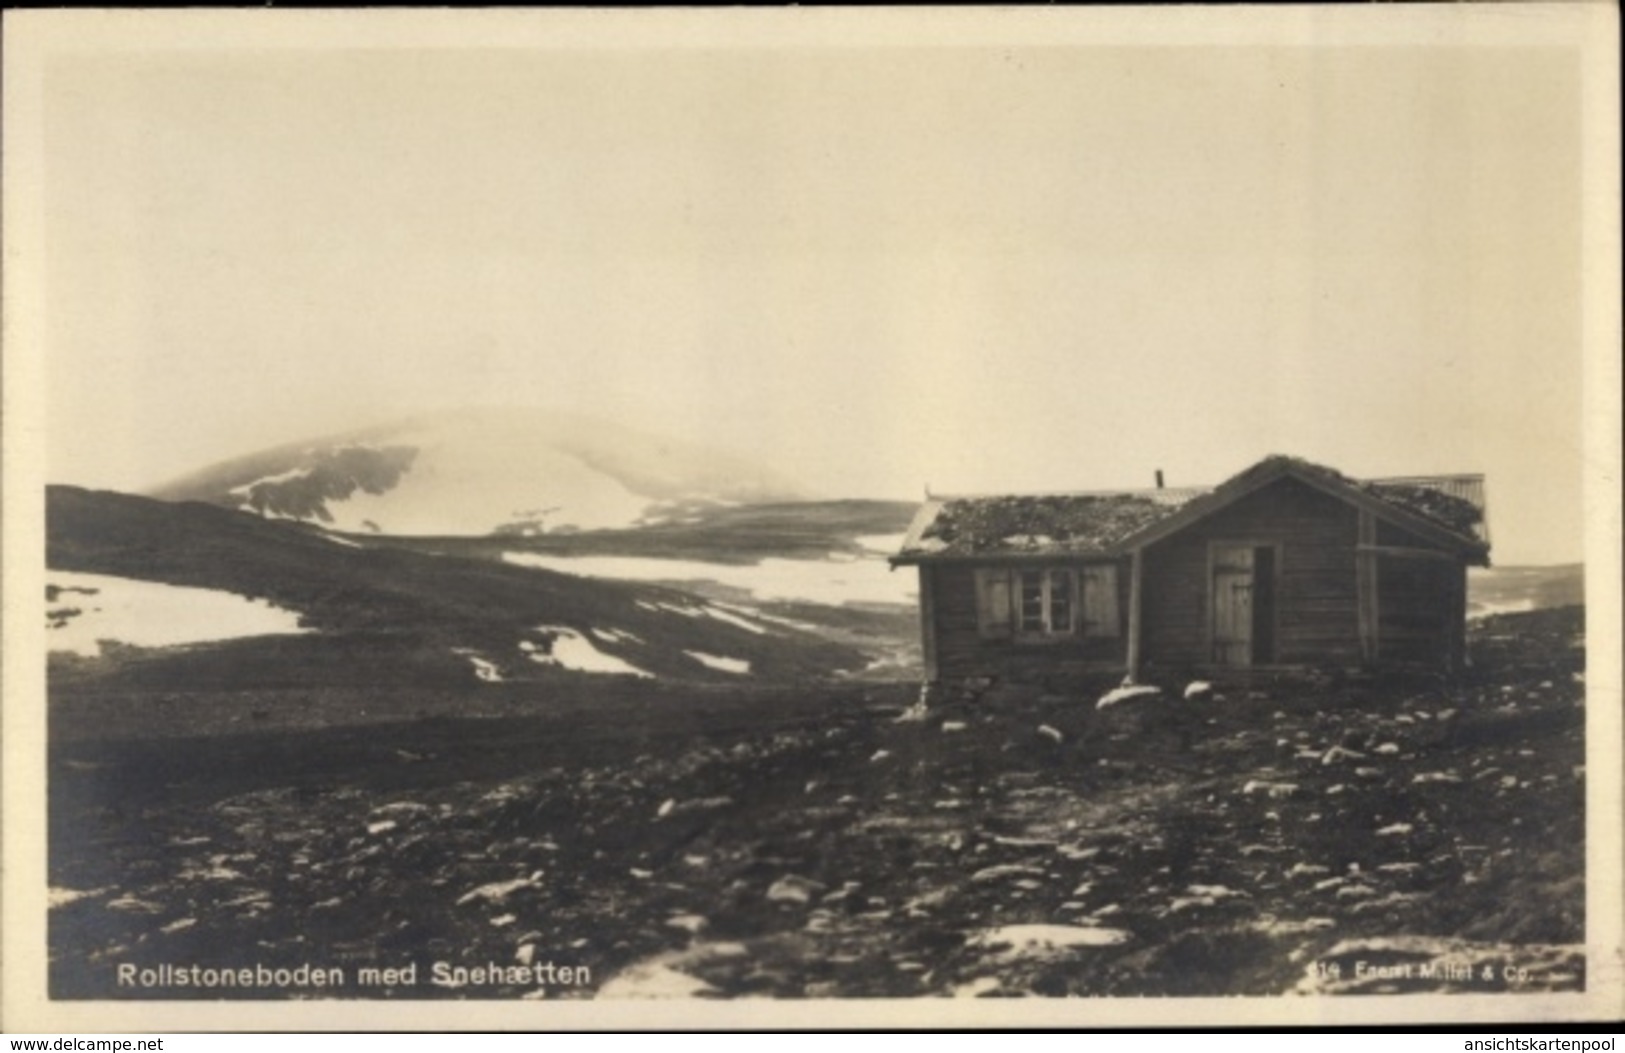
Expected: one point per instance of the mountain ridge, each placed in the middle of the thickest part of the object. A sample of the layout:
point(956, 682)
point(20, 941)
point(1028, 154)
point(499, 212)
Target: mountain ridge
point(481, 471)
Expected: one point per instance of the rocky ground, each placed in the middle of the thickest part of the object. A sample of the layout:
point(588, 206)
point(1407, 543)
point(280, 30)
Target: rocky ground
point(1354, 836)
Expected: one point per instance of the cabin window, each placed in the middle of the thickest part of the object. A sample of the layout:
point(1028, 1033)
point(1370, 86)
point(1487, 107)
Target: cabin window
point(1047, 602)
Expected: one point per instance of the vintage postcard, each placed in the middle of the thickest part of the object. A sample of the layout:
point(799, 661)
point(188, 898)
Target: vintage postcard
point(561, 519)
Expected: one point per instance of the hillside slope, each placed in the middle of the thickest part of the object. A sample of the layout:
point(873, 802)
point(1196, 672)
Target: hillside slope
point(380, 615)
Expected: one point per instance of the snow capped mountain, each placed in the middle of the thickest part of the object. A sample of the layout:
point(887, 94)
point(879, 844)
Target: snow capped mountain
point(477, 472)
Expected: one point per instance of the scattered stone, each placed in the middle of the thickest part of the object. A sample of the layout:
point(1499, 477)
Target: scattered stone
point(1198, 690)
point(698, 804)
point(61, 897)
point(1273, 789)
point(401, 808)
point(1338, 754)
point(950, 726)
point(1395, 830)
point(499, 891)
point(792, 888)
point(879, 755)
point(1387, 748)
point(1215, 892)
point(1388, 902)
point(1282, 927)
point(1052, 734)
point(1043, 941)
point(177, 926)
point(382, 827)
point(1436, 776)
point(525, 954)
point(1024, 842)
point(1007, 870)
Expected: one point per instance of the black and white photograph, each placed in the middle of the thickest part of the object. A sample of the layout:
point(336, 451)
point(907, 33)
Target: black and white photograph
point(885, 518)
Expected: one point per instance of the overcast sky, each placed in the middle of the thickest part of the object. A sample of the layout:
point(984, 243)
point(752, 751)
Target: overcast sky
point(875, 268)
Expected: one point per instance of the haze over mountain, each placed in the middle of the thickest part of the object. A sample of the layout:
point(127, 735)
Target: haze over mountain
point(482, 471)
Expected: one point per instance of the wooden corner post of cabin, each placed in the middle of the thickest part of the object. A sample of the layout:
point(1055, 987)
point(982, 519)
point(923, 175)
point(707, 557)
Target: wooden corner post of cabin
point(1365, 585)
point(928, 622)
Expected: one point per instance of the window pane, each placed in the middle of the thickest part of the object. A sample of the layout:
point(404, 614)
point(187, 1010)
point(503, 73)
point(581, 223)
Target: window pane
point(1060, 601)
point(1032, 601)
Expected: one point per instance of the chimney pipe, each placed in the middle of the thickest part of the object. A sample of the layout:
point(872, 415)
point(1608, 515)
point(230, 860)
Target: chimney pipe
point(1159, 478)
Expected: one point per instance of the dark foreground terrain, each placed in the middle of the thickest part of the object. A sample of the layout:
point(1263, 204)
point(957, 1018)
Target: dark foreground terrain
point(716, 840)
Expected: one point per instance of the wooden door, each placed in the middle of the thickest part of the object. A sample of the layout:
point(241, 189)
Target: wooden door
point(1233, 605)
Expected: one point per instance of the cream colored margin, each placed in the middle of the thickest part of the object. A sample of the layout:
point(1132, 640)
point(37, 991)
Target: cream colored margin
point(32, 38)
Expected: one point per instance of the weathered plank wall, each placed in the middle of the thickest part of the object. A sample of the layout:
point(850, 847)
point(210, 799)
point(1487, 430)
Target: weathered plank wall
point(1314, 585)
point(961, 650)
point(1420, 602)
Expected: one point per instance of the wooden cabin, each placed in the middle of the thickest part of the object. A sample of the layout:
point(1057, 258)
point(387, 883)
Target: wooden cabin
point(1288, 565)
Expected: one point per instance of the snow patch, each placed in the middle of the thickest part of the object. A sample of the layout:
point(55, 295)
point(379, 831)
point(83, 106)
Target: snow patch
point(726, 665)
point(733, 619)
point(883, 544)
point(1127, 694)
point(615, 636)
point(87, 609)
point(722, 612)
point(484, 668)
point(824, 581)
point(571, 650)
point(1481, 609)
point(291, 475)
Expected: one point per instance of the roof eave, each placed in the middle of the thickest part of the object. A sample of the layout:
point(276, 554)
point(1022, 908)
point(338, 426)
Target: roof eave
point(914, 559)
